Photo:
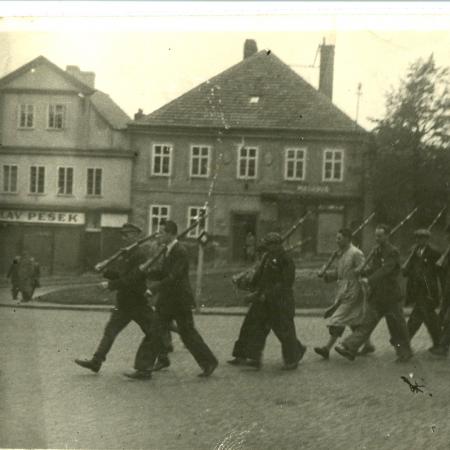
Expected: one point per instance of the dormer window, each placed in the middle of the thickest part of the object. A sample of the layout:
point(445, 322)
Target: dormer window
point(254, 99)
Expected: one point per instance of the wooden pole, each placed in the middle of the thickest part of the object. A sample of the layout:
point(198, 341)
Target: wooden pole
point(199, 278)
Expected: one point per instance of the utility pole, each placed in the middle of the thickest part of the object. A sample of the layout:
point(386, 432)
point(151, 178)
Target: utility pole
point(358, 98)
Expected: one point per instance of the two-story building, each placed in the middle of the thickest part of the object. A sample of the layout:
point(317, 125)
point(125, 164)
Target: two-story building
point(280, 147)
point(65, 172)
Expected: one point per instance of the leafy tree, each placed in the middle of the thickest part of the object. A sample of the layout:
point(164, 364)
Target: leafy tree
point(412, 163)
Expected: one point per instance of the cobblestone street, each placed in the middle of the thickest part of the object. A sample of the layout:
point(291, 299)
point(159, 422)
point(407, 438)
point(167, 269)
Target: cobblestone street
point(47, 401)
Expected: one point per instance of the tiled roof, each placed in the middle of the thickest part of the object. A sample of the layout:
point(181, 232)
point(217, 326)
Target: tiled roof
point(286, 101)
point(109, 110)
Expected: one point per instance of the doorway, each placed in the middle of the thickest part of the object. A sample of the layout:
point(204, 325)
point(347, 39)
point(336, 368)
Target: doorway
point(241, 225)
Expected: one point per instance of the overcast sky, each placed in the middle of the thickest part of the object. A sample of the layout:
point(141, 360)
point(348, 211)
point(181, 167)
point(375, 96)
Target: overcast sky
point(146, 63)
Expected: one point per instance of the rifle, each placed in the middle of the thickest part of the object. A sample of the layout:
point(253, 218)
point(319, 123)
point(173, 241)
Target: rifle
point(406, 264)
point(393, 231)
point(99, 267)
point(335, 254)
point(294, 227)
point(243, 279)
point(151, 261)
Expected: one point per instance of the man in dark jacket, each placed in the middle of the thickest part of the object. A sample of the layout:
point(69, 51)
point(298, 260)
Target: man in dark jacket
point(131, 304)
point(422, 288)
point(274, 306)
point(384, 299)
point(175, 302)
point(444, 314)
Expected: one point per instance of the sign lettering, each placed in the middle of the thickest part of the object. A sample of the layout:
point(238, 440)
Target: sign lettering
point(69, 218)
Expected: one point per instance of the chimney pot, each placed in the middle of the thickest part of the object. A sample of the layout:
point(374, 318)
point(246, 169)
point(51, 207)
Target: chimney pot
point(139, 114)
point(326, 72)
point(250, 48)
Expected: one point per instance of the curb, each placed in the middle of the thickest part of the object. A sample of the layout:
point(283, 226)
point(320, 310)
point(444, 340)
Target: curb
point(107, 308)
point(313, 312)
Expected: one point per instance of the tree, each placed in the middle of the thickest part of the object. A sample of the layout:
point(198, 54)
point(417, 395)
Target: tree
point(412, 160)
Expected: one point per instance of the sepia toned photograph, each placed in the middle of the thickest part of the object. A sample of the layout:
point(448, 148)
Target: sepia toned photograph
point(225, 225)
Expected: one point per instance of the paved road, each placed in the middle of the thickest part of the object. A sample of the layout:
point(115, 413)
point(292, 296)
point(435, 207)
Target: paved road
point(47, 401)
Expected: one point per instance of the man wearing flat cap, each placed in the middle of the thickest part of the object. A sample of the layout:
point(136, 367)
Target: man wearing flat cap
point(422, 290)
point(131, 303)
point(273, 288)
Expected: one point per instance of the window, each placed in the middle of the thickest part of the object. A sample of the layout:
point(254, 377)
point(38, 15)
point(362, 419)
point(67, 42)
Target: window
point(333, 165)
point(94, 182)
point(193, 215)
point(161, 164)
point(26, 116)
point(56, 116)
point(295, 160)
point(199, 161)
point(37, 179)
point(157, 214)
point(254, 100)
point(65, 180)
point(247, 162)
point(9, 178)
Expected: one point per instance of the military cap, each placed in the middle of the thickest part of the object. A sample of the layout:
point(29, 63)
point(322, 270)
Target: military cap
point(422, 232)
point(130, 228)
point(272, 238)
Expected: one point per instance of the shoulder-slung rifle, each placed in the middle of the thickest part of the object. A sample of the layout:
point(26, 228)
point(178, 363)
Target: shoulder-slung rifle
point(335, 254)
point(104, 264)
point(414, 249)
point(151, 261)
point(392, 232)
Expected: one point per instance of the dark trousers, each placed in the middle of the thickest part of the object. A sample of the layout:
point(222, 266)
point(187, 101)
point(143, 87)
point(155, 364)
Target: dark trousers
point(119, 319)
point(15, 292)
point(248, 344)
point(424, 312)
point(395, 321)
point(277, 315)
point(189, 336)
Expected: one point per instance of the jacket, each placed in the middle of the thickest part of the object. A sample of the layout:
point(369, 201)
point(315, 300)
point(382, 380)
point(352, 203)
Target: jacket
point(382, 274)
point(423, 276)
point(171, 282)
point(128, 280)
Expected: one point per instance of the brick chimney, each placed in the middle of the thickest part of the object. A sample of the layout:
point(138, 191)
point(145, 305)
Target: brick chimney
point(87, 78)
point(250, 48)
point(326, 69)
point(139, 115)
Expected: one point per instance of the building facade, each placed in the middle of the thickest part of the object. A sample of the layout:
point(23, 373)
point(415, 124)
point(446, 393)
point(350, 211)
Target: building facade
point(278, 146)
point(65, 168)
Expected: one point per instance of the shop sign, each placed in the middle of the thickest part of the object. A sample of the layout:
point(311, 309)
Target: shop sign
point(47, 217)
point(313, 189)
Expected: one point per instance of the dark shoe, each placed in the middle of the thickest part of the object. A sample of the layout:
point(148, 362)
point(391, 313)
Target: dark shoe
point(208, 370)
point(90, 364)
point(302, 353)
point(438, 351)
point(366, 349)
point(290, 366)
point(139, 375)
point(237, 362)
point(323, 352)
point(255, 363)
point(345, 352)
point(161, 364)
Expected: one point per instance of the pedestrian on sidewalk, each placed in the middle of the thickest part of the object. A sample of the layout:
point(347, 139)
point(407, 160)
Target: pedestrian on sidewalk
point(175, 301)
point(25, 276)
point(131, 304)
point(384, 299)
point(13, 276)
point(349, 304)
